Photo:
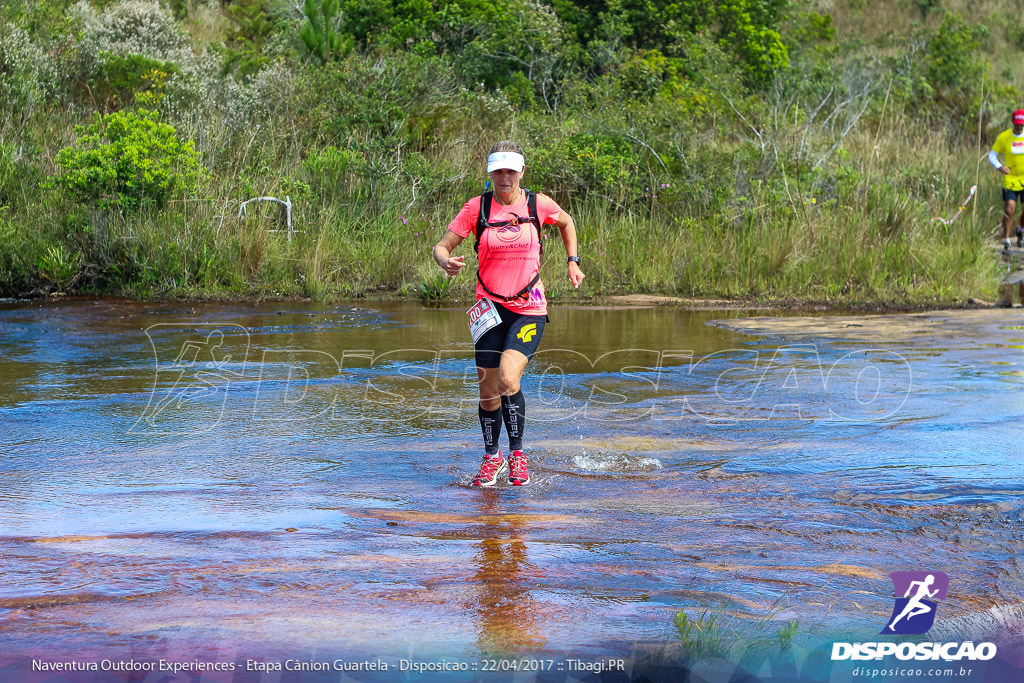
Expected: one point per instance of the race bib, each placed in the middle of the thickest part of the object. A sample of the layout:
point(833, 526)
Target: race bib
point(1017, 147)
point(482, 317)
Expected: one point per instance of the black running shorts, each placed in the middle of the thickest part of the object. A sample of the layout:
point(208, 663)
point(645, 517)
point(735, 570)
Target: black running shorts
point(1012, 195)
point(519, 332)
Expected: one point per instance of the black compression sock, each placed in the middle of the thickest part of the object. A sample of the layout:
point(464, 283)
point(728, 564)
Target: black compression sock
point(490, 423)
point(513, 411)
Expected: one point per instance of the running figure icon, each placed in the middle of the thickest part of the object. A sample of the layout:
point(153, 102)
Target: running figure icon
point(917, 595)
point(914, 606)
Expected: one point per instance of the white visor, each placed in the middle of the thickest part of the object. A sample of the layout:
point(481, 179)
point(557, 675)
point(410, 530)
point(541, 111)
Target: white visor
point(509, 160)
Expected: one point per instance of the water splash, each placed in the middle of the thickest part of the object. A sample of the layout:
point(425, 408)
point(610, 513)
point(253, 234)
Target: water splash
point(615, 462)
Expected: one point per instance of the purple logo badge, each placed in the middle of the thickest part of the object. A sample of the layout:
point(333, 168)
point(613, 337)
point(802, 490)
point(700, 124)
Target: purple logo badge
point(917, 595)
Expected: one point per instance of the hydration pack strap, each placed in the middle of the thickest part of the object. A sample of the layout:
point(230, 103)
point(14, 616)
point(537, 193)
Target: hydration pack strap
point(481, 225)
point(523, 293)
point(485, 214)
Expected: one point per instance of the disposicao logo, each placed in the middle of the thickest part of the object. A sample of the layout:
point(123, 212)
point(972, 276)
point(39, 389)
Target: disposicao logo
point(916, 596)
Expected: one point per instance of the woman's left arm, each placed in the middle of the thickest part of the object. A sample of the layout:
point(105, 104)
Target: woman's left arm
point(567, 226)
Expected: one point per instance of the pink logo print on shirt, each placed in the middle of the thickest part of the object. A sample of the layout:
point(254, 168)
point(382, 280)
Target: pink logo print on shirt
point(509, 233)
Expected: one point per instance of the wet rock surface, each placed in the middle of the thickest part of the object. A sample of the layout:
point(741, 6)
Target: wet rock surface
point(224, 480)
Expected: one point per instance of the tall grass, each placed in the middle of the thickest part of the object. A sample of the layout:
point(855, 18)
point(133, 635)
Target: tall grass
point(748, 642)
point(716, 634)
point(868, 237)
point(800, 195)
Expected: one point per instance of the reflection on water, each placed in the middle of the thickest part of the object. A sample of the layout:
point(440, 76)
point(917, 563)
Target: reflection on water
point(508, 613)
point(212, 480)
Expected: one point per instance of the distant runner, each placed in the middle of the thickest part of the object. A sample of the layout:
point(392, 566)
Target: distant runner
point(1010, 146)
point(508, 319)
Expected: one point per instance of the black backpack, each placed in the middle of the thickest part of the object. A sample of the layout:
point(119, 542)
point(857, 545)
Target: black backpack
point(482, 224)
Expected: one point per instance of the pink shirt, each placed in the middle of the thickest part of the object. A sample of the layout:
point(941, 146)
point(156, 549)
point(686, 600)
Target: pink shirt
point(509, 257)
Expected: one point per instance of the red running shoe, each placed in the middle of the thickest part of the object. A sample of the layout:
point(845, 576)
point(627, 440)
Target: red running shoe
point(490, 468)
point(518, 475)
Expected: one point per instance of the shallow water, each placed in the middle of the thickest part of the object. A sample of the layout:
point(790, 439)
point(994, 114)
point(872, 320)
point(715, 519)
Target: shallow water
point(209, 481)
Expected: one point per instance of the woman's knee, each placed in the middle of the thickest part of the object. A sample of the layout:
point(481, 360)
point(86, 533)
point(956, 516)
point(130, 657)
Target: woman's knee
point(490, 389)
point(490, 395)
point(508, 383)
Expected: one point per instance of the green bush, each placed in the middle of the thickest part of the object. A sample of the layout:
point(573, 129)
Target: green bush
point(517, 46)
point(139, 27)
point(582, 163)
point(128, 159)
point(951, 59)
point(18, 178)
point(274, 95)
point(941, 76)
point(643, 74)
point(926, 6)
point(383, 100)
point(107, 53)
point(23, 70)
point(121, 77)
point(745, 29)
point(1015, 36)
point(14, 270)
point(389, 22)
point(749, 28)
point(59, 266)
point(331, 170)
point(251, 29)
point(511, 45)
point(320, 31)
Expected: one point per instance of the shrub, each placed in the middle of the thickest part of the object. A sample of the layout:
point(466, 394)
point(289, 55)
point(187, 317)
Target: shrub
point(23, 70)
point(396, 22)
point(19, 179)
point(331, 170)
point(121, 78)
point(1015, 36)
point(271, 92)
point(128, 159)
point(59, 265)
point(180, 8)
point(951, 59)
point(516, 45)
point(251, 30)
point(510, 44)
point(582, 163)
point(320, 31)
point(643, 74)
point(140, 27)
point(748, 27)
point(384, 100)
point(14, 270)
point(113, 50)
point(944, 70)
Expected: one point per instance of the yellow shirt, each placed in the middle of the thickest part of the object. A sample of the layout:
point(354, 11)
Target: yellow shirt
point(1011, 149)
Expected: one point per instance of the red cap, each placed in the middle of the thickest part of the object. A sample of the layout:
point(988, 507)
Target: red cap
point(1018, 116)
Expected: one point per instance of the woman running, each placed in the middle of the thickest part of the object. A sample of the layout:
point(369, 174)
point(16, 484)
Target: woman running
point(508, 319)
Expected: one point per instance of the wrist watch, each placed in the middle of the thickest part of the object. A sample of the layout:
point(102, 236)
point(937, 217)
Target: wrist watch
point(574, 258)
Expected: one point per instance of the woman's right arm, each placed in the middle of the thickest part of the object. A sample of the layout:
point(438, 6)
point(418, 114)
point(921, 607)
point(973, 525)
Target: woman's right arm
point(443, 254)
